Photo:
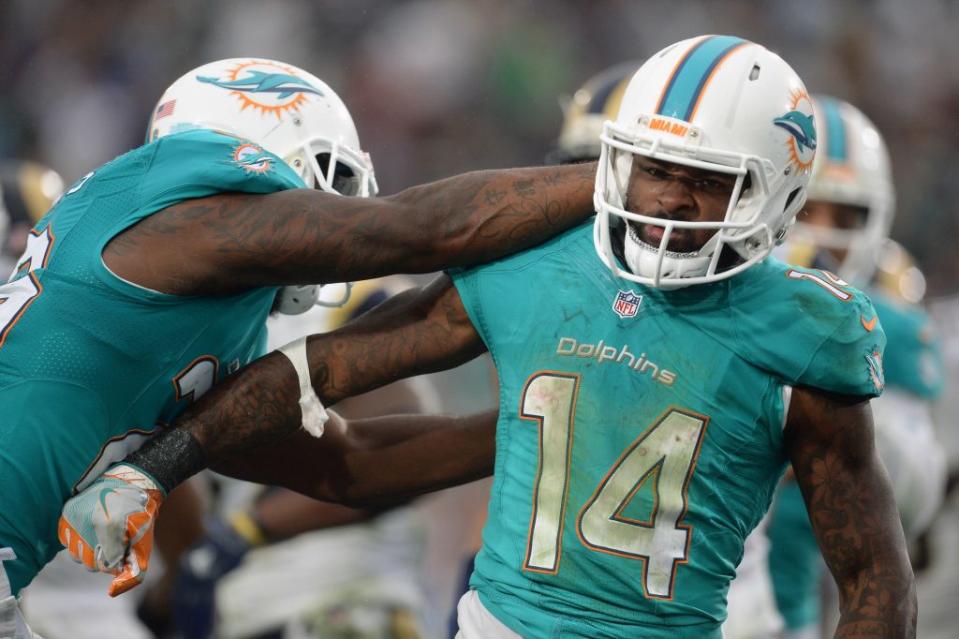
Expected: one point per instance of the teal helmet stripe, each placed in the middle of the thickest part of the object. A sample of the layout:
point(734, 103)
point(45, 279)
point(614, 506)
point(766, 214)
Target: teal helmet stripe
point(836, 150)
point(683, 91)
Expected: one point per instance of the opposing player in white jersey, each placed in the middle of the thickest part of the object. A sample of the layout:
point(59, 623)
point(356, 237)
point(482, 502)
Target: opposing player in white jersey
point(844, 229)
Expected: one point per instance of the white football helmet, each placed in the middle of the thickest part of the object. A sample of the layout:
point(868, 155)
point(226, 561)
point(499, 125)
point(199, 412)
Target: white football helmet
point(717, 103)
point(289, 112)
point(852, 167)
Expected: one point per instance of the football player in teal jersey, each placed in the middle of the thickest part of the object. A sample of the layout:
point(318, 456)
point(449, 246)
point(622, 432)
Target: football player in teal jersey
point(152, 276)
point(750, 604)
point(844, 228)
point(657, 372)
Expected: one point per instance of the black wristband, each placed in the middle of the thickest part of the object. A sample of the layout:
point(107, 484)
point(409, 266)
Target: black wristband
point(170, 458)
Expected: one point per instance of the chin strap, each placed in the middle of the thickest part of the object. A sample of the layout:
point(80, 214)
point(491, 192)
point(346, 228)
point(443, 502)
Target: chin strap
point(644, 259)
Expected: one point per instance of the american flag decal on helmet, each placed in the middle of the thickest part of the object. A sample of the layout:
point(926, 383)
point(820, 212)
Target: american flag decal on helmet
point(165, 109)
point(626, 303)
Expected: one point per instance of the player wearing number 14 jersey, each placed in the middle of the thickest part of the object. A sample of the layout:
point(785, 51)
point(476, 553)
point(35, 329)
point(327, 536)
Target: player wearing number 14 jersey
point(641, 433)
point(657, 371)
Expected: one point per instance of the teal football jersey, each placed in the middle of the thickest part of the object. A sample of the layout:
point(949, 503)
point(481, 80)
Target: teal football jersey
point(91, 364)
point(640, 431)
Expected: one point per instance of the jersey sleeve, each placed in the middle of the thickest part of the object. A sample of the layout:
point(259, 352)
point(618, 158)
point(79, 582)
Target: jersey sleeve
point(850, 360)
point(810, 328)
point(184, 166)
point(201, 163)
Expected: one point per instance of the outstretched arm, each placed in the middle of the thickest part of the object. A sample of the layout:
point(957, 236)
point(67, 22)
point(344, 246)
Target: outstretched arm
point(232, 242)
point(829, 439)
point(373, 462)
point(418, 331)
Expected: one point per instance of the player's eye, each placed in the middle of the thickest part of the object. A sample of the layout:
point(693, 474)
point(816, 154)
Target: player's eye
point(713, 185)
point(656, 173)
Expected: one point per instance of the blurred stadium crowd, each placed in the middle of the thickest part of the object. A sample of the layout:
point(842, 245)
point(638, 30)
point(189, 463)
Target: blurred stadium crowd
point(439, 87)
point(442, 86)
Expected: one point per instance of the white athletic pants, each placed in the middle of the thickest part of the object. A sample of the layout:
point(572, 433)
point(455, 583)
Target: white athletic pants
point(476, 622)
point(12, 625)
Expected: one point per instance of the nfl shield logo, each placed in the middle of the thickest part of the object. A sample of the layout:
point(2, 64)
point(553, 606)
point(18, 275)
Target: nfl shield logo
point(626, 303)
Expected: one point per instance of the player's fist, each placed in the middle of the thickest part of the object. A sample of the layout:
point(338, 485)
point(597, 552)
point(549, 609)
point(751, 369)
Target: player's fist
point(108, 527)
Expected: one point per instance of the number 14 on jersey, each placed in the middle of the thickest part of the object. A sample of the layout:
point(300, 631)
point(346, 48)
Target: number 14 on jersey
point(664, 454)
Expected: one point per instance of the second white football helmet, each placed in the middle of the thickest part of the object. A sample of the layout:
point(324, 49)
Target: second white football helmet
point(852, 168)
point(717, 103)
point(289, 112)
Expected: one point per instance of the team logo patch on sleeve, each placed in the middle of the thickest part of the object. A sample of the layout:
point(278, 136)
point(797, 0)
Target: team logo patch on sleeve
point(626, 303)
point(874, 359)
point(251, 158)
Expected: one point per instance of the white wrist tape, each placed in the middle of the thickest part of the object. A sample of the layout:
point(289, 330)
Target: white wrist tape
point(314, 415)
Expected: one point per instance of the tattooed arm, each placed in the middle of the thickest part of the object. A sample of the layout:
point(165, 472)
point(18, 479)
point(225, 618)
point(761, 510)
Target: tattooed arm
point(249, 426)
point(829, 439)
point(232, 242)
point(253, 416)
point(373, 462)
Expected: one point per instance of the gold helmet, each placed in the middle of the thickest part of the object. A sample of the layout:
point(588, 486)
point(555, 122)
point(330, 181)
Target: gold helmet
point(898, 275)
point(27, 191)
point(585, 112)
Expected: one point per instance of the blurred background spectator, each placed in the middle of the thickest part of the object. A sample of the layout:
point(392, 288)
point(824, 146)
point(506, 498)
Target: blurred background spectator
point(442, 86)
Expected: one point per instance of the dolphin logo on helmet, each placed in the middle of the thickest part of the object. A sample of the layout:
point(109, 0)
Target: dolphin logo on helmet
point(282, 84)
point(800, 126)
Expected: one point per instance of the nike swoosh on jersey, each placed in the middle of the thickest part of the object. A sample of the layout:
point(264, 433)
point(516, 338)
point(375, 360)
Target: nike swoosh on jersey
point(868, 324)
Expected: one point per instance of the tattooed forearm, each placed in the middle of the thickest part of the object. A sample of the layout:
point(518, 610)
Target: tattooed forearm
point(415, 332)
point(253, 407)
point(483, 215)
point(851, 507)
point(232, 242)
point(249, 424)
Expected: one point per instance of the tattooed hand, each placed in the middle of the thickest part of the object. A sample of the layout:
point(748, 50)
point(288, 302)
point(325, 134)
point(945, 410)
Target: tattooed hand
point(829, 439)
